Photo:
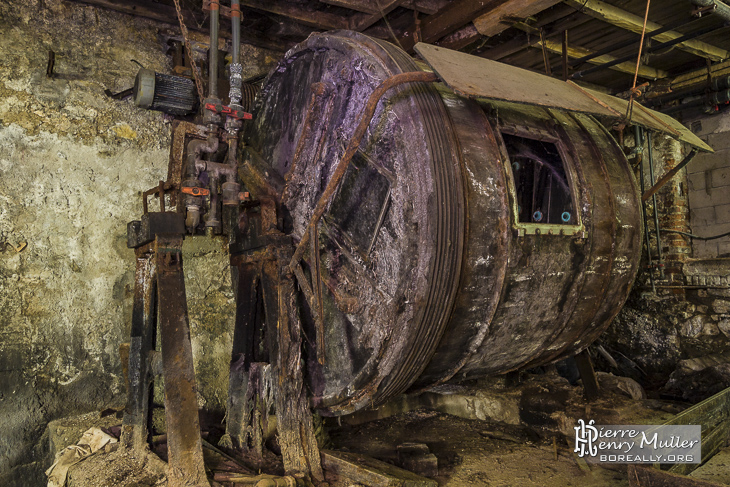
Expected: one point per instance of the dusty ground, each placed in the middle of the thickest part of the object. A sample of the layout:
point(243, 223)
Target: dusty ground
point(470, 451)
point(478, 453)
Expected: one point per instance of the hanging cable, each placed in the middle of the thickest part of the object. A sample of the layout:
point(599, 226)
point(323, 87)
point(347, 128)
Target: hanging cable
point(692, 236)
point(630, 106)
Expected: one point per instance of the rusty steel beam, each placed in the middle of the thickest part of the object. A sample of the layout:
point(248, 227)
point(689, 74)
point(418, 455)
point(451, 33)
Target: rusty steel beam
point(136, 413)
point(669, 175)
point(184, 444)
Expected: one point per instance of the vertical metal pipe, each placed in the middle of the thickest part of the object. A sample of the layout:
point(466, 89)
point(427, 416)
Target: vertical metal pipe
point(638, 137)
point(235, 69)
point(213, 50)
point(236, 30)
point(656, 215)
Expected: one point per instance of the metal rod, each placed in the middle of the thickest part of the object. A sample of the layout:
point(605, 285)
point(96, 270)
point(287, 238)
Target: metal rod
point(648, 50)
point(637, 136)
point(235, 93)
point(545, 57)
point(367, 115)
point(693, 236)
point(656, 214)
point(720, 9)
point(669, 175)
point(236, 31)
point(565, 55)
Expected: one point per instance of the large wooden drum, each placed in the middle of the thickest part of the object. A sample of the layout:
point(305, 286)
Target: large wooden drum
point(466, 238)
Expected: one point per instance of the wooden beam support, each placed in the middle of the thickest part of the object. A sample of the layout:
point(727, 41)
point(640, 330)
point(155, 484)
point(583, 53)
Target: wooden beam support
point(700, 75)
point(628, 21)
point(361, 22)
point(493, 22)
point(454, 15)
point(428, 7)
point(365, 6)
point(312, 18)
point(195, 23)
point(576, 52)
point(552, 27)
point(461, 38)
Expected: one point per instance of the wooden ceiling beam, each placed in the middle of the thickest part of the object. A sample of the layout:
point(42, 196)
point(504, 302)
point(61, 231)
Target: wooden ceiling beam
point(361, 22)
point(296, 13)
point(166, 14)
point(454, 15)
point(460, 38)
point(576, 52)
point(628, 21)
point(365, 6)
point(517, 44)
point(428, 7)
point(496, 20)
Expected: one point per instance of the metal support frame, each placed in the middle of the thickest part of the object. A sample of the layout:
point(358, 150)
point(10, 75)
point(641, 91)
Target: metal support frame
point(660, 260)
point(135, 431)
point(160, 291)
point(639, 144)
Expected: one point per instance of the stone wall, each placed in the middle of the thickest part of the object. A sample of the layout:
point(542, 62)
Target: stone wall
point(72, 165)
point(687, 314)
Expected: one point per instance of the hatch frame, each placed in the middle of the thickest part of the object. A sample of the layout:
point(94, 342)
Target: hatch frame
point(576, 229)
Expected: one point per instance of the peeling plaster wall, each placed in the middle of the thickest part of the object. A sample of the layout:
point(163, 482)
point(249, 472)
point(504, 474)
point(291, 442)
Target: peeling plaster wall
point(72, 165)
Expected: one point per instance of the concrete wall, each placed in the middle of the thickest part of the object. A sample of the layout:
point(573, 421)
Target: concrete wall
point(709, 188)
point(72, 165)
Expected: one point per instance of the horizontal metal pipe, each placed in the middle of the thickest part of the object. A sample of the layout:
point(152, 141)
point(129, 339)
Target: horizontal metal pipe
point(710, 99)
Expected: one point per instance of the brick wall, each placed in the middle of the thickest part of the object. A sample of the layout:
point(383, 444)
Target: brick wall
point(709, 188)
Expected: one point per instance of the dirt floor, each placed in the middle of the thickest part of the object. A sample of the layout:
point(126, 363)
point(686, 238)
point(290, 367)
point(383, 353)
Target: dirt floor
point(536, 449)
point(478, 453)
